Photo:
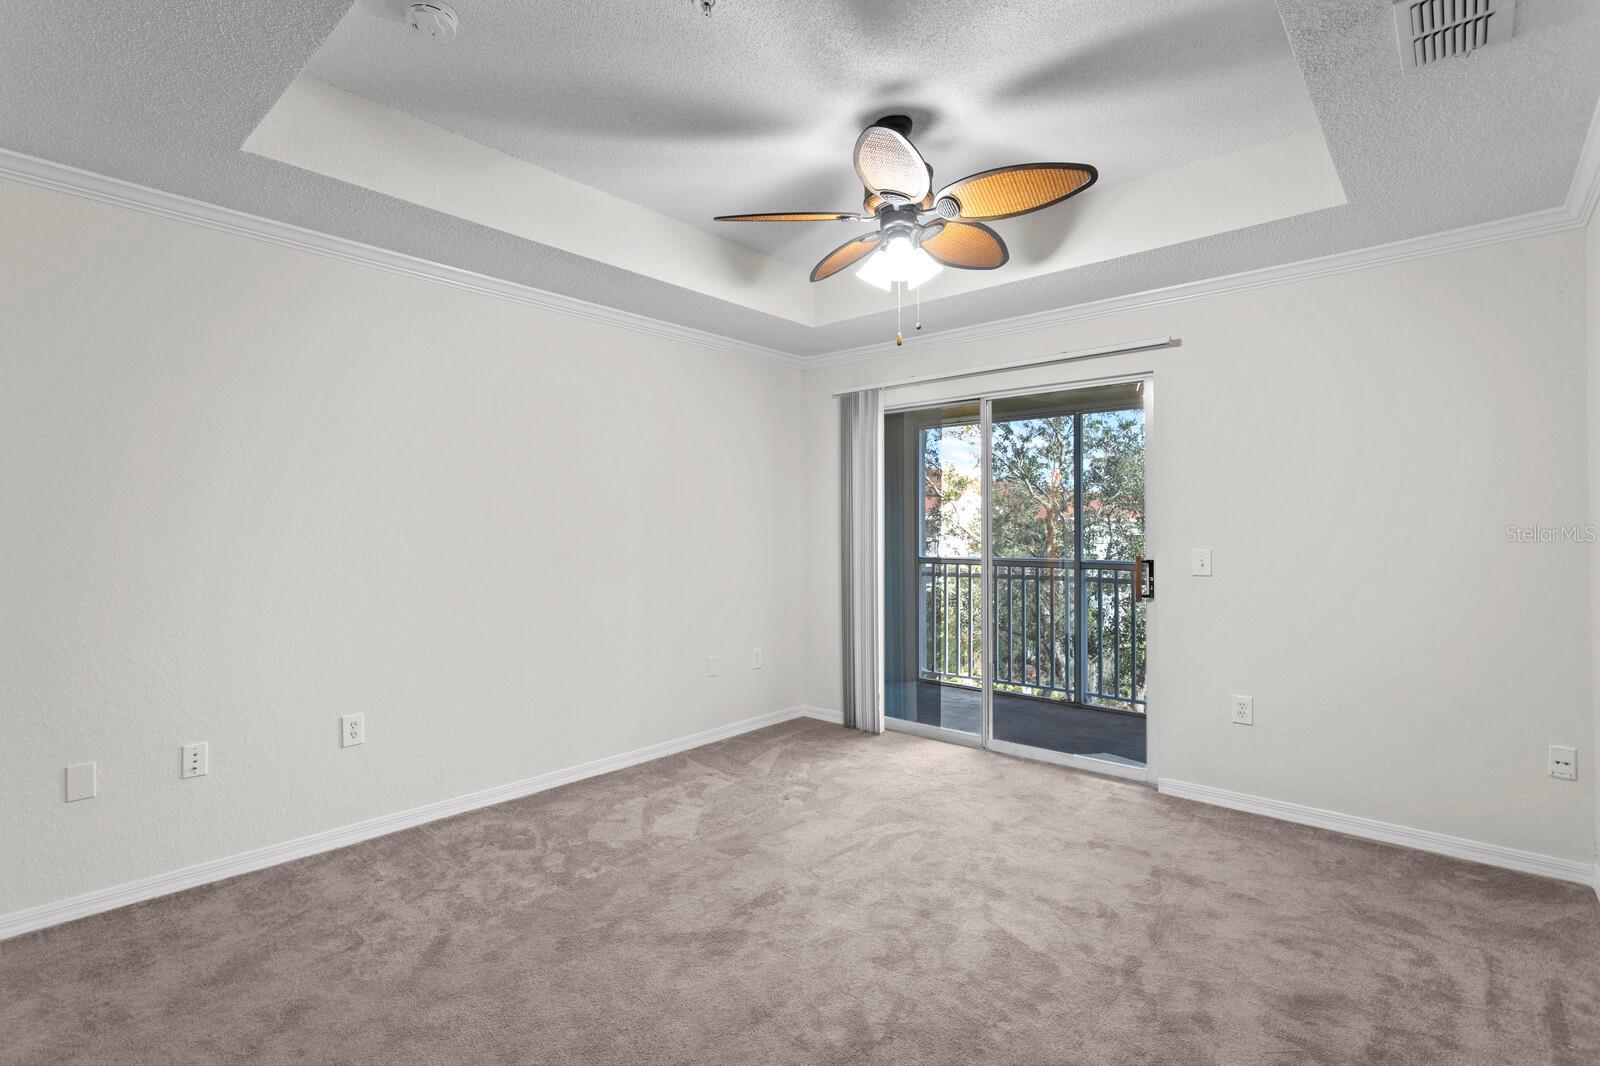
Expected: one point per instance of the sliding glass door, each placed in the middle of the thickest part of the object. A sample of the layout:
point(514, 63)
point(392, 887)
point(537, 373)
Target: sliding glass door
point(933, 573)
point(1013, 528)
point(1067, 514)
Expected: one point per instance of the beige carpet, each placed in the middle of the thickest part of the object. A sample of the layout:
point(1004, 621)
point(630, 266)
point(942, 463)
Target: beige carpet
point(811, 895)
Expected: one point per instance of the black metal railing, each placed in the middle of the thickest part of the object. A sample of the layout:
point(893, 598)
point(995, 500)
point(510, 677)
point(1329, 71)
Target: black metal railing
point(1040, 649)
point(951, 619)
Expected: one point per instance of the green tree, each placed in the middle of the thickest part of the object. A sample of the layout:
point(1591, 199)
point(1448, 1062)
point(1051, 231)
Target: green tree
point(951, 513)
point(1032, 512)
point(1113, 484)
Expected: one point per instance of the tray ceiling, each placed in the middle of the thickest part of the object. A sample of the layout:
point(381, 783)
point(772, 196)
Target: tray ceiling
point(681, 117)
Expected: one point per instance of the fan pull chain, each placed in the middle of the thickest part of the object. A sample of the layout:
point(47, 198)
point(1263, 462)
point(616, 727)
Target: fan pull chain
point(919, 308)
point(899, 337)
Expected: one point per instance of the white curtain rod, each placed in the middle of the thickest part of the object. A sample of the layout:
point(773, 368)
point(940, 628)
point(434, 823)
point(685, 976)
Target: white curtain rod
point(1018, 364)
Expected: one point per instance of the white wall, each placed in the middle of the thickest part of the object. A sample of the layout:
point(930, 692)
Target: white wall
point(1353, 448)
point(245, 489)
point(1592, 307)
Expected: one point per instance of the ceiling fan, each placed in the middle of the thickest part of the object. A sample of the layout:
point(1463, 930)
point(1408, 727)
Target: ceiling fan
point(920, 230)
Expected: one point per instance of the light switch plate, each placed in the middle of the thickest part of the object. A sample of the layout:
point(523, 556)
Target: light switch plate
point(1200, 562)
point(80, 782)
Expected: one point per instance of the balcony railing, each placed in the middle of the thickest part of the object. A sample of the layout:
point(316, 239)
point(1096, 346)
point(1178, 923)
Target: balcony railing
point(1040, 649)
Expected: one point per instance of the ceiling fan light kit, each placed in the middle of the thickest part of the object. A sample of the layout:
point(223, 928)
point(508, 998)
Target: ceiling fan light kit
point(919, 231)
point(900, 261)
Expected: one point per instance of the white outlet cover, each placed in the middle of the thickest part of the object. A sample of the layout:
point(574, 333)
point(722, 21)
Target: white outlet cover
point(711, 666)
point(1563, 763)
point(755, 659)
point(352, 730)
point(194, 760)
point(1244, 710)
point(81, 782)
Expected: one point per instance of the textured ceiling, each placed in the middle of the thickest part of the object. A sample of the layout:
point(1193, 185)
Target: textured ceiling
point(757, 108)
point(167, 98)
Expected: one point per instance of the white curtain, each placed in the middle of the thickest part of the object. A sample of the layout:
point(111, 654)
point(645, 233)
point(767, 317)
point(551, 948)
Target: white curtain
point(861, 416)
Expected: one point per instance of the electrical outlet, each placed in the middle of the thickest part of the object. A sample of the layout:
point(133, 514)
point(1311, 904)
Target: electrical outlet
point(1244, 710)
point(1200, 562)
point(352, 730)
point(80, 782)
point(195, 760)
point(1563, 762)
point(755, 659)
point(711, 666)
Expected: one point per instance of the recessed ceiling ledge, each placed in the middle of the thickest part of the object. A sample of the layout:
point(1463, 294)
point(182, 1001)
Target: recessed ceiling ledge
point(326, 130)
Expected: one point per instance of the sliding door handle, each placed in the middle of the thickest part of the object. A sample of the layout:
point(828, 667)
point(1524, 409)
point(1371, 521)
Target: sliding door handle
point(1144, 578)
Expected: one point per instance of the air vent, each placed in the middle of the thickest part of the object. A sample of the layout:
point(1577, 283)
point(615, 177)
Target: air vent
point(1434, 30)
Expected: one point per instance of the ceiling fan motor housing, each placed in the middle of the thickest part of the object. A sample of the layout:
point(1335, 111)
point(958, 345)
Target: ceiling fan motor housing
point(898, 220)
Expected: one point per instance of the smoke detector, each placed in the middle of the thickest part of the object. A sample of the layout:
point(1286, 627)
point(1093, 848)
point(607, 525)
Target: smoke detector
point(1430, 31)
point(435, 18)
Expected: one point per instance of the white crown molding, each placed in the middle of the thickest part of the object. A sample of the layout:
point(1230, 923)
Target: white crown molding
point(1585, 191)
point(1582, 198)
point(61, 178)
point(48, 914)
point(1528, 862)
point(1538, 223)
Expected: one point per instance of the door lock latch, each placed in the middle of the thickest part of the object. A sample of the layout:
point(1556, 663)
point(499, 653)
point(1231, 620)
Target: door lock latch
point(1144, 578)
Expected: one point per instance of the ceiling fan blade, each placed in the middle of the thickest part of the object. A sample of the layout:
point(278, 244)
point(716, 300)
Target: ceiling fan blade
point(1010, 191)
point(793, 216)
point(967, 245)
point(887, 163)
point(846, 254)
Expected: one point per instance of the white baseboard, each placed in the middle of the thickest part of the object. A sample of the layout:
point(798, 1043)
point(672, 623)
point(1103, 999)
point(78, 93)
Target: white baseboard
point(1421, 839)
point(48, 914)
point(821, 714)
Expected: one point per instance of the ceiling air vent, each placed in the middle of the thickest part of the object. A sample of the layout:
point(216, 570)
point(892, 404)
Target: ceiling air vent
point(1435, 30)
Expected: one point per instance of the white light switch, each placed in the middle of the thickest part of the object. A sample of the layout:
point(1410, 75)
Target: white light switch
point(80, 782)
point(711, 666)
point(1200, 562)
